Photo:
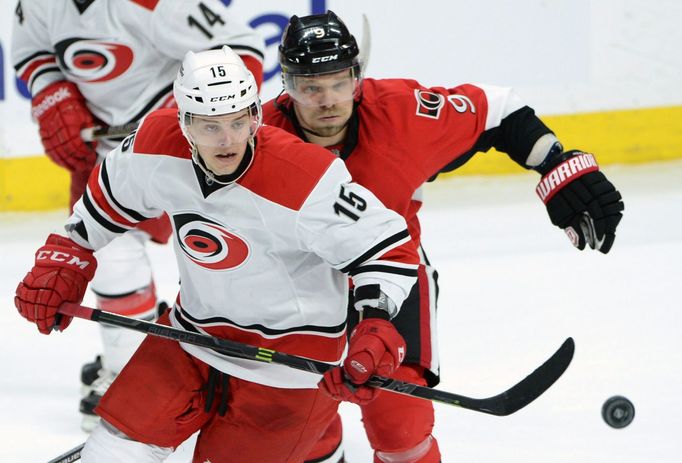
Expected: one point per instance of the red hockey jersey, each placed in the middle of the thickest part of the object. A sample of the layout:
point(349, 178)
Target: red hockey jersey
point(403, 133)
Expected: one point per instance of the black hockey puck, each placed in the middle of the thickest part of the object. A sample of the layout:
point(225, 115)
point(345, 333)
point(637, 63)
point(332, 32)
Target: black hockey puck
point(618, 412)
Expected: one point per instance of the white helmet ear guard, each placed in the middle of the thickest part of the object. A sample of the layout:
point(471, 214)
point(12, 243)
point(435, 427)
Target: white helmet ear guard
point(214, 82)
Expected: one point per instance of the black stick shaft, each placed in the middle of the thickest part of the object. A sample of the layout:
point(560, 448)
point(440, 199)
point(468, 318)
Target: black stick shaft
point(72, 455)
point(115, 131)
point(502, 404)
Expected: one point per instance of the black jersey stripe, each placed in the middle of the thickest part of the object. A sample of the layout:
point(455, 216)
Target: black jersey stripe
point(81, 230)
point(408, 272)
point(25, 61)
point(184, 318)
point(39, 72)
point(99, 218)
point(377, 249)
point(107, 186)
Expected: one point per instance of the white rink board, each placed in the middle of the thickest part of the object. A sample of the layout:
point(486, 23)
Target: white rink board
point(563, 56)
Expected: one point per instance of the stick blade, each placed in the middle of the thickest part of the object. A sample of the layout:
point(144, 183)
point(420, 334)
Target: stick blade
point(533, 385)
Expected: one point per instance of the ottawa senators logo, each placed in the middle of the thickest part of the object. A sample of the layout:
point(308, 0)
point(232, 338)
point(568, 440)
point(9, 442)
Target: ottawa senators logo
point(429, 104)
point(208, 244)
point(88, 60)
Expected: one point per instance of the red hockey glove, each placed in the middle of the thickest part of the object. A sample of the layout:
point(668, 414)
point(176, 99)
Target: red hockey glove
point(580, 199)
point(375, 348)
point(61, 273)
point(61, 114)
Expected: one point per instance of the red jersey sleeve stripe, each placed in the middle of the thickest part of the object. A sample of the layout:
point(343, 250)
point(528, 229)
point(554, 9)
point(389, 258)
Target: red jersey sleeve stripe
point(104, 176)
point(404, 254)
point(98, 217)
point(26, 73)
point(100, 199)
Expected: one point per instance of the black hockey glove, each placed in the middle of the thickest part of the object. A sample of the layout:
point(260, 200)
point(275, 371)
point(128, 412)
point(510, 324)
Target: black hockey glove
point(580, 199)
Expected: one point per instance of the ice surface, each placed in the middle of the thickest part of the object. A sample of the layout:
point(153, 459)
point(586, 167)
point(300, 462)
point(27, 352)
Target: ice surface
point(512, 288)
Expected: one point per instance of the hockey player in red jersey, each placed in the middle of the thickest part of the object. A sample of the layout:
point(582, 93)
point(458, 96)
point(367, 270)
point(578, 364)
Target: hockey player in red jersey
point(267, 230)
point(107, 63)
point(394, 135)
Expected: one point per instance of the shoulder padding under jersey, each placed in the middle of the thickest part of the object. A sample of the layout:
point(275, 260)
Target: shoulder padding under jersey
point(285, 169)
point(160, 133)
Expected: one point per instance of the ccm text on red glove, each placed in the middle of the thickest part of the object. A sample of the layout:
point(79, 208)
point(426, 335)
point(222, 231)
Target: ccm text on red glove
point(61, 273)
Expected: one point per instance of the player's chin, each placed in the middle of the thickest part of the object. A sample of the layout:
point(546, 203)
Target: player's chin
point(330, 130)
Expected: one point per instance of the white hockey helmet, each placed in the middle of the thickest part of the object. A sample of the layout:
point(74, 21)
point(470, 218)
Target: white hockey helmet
point(213, 83)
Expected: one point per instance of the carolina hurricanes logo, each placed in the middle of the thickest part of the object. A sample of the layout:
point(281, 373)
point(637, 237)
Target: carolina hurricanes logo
point(91, 61)
point(208, 244)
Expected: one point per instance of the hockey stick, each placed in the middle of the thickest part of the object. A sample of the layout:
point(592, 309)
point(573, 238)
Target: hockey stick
point(365, 45)
point(506, 403)
point(72, 455)
point(113, 131)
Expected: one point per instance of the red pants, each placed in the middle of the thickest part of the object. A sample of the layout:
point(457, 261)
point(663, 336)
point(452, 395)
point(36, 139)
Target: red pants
point(160, 395)
point(394, 423)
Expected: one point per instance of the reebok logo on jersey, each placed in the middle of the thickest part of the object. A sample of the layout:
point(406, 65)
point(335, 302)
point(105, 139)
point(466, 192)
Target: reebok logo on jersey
point(49, 101)
point(208, 243)
point(564, 173)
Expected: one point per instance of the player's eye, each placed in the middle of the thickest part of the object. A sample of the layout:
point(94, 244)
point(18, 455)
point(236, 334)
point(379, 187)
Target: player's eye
point(310, 89)
point(211, 128)
point(341, 85)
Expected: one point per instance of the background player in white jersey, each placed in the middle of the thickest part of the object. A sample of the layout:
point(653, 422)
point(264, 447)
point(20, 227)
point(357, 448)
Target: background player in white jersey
point(110, 62)
point(267, 230)
point(395, 134)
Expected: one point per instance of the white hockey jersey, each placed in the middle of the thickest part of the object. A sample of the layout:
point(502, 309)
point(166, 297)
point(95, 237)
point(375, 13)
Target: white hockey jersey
point(122, 54)
point(263, 260)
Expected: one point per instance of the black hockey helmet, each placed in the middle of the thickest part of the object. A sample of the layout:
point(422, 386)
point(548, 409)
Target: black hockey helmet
point(316, 47)
point(317, 44)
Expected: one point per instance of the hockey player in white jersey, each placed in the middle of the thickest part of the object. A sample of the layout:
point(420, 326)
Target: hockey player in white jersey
point(110, 62)
point(267, 229)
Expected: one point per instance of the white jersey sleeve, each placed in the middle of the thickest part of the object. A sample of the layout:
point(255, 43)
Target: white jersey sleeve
point(179, 26)
point(122, 55)
point(32, 52)
point(348, 227)
point(116, 199)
